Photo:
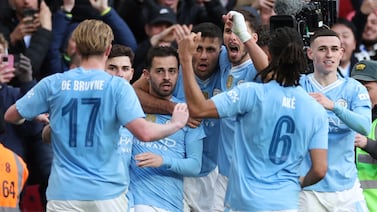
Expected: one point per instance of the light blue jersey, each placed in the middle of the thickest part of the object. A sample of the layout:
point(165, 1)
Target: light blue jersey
point(86, 108)
point(162, 187)
point(209, 88)
point(353, 103)
point(230, 77)
point(273, 133)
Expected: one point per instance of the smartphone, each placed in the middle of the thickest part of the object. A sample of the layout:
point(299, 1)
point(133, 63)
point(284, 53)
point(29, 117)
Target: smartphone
point(9, 59)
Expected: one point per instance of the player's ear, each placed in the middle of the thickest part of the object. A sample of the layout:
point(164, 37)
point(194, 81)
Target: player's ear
point(146, 74)
point(108, 50)
point(309, 53)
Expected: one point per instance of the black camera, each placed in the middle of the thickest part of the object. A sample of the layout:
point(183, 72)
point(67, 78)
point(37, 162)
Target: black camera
point(312, 16)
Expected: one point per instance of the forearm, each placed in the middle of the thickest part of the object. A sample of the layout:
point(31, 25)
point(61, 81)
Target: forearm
point(13, 116)
point(257, 55)
point(357, 120)
point(371, 148)
point(318, 169)
point(310, 178)
point(191, 165)
point(150, 103)
point(149, 131)
point(122, 32)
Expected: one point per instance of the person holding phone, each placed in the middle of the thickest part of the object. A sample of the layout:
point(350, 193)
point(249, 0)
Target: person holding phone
point(27, 28)
point(24, 140)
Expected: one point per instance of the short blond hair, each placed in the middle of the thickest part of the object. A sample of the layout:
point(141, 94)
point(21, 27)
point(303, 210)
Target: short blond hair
point(92, 37)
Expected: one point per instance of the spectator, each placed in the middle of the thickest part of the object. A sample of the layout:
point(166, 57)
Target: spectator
point(369, 36)
point(347, 34)
point(28, 31)
point(80, 104)
point(160, 28)
point(187, 12)
point(348, 108)
point(62, 49)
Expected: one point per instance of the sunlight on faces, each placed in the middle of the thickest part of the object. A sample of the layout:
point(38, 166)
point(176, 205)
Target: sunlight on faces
point(120, 66)
point(348, 41)
point(326, 52)
point(162, 76)
point(206, 57)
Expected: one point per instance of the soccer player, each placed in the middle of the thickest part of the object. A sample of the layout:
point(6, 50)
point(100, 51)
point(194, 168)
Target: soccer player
point(157, 168)
point(348, 109)
point(119, 62)
point(199, 190)
point(86, 106)
point(264, 167)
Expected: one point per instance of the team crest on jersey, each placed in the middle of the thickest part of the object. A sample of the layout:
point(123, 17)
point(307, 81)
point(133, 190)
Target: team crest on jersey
point(342, 102)
point(205, 94)
point(229, 82)
point(216, 91)
point(233, 95)
point(150, 117)
point(30, 93)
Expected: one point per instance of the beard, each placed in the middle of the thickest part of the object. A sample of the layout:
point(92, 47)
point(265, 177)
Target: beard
point(369, 43)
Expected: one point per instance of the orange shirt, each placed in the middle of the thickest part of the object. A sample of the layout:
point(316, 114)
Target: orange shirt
point(13, 175)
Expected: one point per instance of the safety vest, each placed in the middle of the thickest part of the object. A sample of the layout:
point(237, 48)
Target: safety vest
point(367, 171)
point(13, 175)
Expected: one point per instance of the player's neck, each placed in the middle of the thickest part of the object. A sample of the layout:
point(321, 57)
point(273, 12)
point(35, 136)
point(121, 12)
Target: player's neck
point(93, 63)
point(325, 79)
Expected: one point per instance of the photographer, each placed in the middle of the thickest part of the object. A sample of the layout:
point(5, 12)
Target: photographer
point(28, 30)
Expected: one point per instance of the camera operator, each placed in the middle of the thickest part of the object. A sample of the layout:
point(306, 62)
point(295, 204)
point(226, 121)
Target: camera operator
point(28, 30)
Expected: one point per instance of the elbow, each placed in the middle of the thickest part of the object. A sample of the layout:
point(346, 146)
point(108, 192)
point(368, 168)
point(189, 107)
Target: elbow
point(144, 137)
point(195, 170)
point(365, 129)
point(195, 112)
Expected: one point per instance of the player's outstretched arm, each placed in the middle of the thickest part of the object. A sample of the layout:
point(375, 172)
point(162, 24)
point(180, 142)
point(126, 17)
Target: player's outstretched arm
point(149, 131)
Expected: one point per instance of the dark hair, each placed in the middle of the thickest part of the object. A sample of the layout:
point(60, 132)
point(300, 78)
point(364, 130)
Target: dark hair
point(119, 50)
point(264, 37)
point(250, 18)
point(160, 51)
point(323, 32)
point(209, 30)
point(288, 58)
point(351, 26)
